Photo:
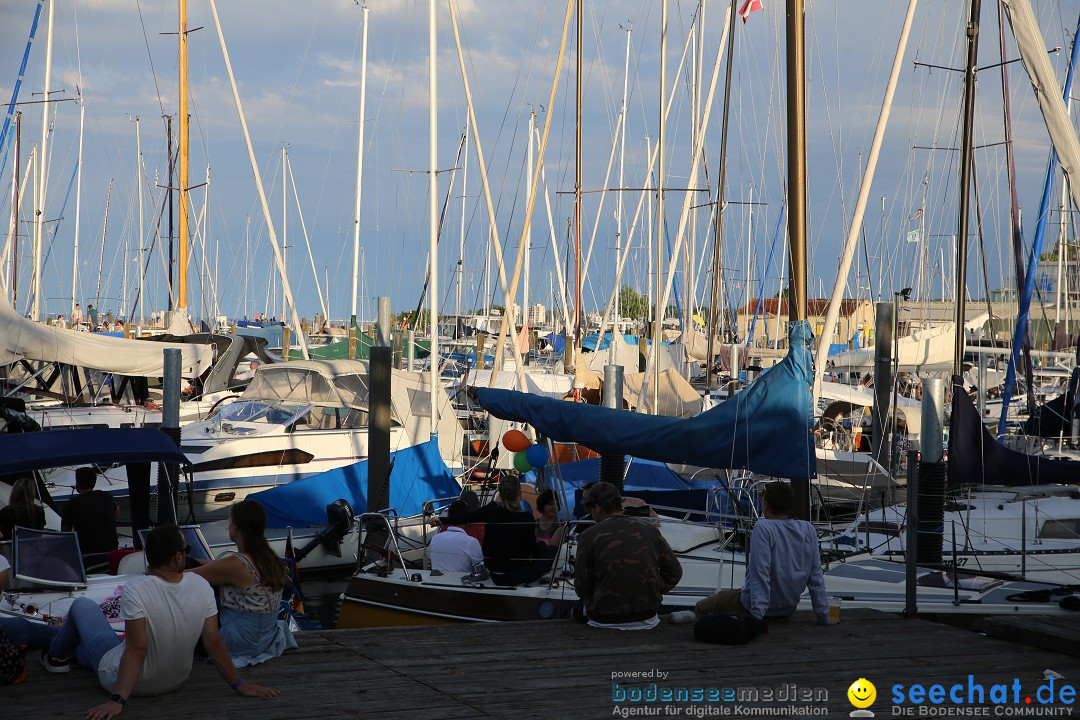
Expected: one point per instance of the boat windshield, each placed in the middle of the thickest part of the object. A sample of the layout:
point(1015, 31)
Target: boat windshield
point(255, 411)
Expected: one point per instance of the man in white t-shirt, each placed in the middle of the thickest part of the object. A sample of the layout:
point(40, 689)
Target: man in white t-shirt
point(165, 613)
point(453, 550)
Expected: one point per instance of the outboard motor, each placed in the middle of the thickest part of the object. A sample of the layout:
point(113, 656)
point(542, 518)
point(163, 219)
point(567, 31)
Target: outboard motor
point(339, 518)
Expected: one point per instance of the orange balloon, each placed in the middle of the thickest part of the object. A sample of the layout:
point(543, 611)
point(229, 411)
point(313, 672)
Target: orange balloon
point(515, 440)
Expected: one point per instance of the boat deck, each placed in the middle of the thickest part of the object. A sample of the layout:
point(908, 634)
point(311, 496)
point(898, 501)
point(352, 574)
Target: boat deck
point(562, 669)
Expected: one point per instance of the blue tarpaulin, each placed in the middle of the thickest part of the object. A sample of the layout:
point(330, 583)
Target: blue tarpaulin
point(766, 428)
point(23, 452)
point(419, 475)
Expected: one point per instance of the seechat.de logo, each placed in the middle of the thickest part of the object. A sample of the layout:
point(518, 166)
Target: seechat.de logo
point(862, 694)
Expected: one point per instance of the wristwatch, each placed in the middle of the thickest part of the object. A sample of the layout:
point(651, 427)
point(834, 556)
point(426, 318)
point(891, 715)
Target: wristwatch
point(117, 698)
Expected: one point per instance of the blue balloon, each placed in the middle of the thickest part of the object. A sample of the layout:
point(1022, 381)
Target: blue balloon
point(537, 455)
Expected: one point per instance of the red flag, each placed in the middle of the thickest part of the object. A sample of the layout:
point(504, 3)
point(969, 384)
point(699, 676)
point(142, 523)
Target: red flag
point(748, 7)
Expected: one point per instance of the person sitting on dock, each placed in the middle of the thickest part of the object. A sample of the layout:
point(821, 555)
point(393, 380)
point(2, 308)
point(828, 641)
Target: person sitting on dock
point(509, 536)
point(784, 560)
point(165, 613)
point(92, 514)
point(452, 550)
point(623, 565)
point(250, 582)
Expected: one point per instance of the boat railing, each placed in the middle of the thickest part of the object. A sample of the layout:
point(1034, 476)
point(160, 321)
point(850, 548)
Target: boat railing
point(378, 541)
point(1064, 445)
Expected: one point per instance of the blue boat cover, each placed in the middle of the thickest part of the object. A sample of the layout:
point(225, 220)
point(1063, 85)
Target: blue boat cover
point(766, 428)
point(24, 452)
point(640, 475)
point(419, 475)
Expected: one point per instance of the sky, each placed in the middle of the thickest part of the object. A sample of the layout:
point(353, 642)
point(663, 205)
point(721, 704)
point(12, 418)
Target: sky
point(297, 66)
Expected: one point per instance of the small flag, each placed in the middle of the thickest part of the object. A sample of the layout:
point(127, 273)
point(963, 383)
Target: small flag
point(293, 571)
point(748, 7)
point(915, 215)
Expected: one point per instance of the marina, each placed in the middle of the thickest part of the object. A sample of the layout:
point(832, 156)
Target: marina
point(561, 391)
point(567, 669)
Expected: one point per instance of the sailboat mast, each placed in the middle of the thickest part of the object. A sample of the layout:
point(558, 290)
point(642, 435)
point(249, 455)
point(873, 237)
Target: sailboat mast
point(528, 232)
point(461, 238)
point(966, 155)
point(359, 165)
point(78, 212)
point(718, 215)
point(182, 181)
point(796, 164)
point(284, 236)
point(14, 284)
point(142, 228)
point(616, 335)
point(43, 171)
point(658, 316)
point(433, 217)
point(577, 186)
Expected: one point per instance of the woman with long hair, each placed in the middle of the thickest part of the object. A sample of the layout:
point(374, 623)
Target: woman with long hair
point(22, 508)
point(250, 583)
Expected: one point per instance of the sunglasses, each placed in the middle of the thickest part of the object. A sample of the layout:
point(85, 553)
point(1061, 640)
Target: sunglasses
point(186, 550)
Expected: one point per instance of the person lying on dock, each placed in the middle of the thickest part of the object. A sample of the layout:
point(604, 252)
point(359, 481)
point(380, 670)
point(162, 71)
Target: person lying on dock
point(165, 613)
point(784, 560)
point(623, 565)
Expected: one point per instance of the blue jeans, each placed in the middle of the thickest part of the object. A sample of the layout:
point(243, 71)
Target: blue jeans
point(85, 634)
point(33, 635)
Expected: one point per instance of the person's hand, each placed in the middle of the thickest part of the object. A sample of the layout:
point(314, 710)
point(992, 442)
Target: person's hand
point(828, 621)
point(434, 521)
point(257, 691)
point(105, 711)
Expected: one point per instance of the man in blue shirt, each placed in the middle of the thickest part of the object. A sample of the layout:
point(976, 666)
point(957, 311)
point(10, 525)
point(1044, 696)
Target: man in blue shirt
point(784, 560)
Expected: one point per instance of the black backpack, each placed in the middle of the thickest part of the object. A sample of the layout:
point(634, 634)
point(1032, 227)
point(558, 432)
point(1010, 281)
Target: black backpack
point(12, 661)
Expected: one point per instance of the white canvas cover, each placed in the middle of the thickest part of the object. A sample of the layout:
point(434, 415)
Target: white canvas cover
point(344, 383)
point(24, 339)
point(911, 409)
point(675, 396)
point(546, 383)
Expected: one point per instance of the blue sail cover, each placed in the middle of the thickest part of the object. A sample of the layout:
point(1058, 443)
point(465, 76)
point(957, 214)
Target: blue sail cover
point(419, 475)
point(766, 428)
point(24, 452)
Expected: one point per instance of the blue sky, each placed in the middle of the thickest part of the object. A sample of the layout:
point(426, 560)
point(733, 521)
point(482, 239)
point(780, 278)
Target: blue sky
point(297, 65)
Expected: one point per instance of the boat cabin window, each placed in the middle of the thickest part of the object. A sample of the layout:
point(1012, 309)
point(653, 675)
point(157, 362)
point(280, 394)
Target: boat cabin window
point(1060, 529)
point(333, 418)
point(877, 526)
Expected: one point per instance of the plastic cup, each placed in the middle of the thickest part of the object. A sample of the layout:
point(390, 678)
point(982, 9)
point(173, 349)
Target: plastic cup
point(834, 609)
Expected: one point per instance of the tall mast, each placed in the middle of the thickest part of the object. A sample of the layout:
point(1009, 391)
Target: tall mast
point(658, 315)
point(616, 335)
point(433, 217)
point(181, 277)
point(43, 171)
point(528, 232)
point(359, 166)
point(142, 228)
point(577, 187)
point(284, 235)
point(718, 230)
point(461, 240)
point(14, 283)
point(796, 160)
point(78, 212)
point(966, 155)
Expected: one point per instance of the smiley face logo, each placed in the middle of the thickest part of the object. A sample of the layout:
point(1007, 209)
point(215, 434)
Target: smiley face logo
point(862, 693)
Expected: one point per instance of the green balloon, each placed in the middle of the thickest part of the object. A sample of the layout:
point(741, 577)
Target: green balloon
point(521, 462)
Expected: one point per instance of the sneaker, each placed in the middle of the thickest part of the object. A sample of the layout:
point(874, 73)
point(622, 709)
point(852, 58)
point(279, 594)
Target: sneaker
point(681, 617)
point(54, 664)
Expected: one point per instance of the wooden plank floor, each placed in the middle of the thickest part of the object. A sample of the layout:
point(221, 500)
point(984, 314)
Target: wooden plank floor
point(563, 670)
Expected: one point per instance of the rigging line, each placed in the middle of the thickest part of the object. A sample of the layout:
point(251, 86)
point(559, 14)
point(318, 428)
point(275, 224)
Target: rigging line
point(149, 56)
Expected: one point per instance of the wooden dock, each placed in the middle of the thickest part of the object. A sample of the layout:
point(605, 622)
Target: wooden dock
point(560, 669)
